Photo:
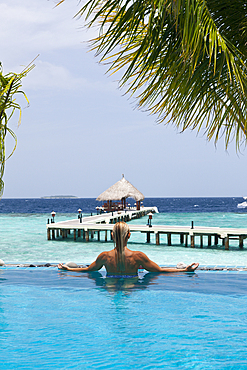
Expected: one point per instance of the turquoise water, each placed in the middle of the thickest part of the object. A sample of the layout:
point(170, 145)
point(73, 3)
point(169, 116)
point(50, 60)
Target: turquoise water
point(51, 319)
point(23, 239)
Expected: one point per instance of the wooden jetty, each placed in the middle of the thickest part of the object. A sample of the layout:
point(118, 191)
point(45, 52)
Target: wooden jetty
point(101, 222)
point(87, 227)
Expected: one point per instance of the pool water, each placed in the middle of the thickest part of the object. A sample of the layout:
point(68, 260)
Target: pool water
point(58, 319)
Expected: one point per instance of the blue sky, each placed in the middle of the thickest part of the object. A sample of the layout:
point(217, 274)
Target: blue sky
point(80, 132)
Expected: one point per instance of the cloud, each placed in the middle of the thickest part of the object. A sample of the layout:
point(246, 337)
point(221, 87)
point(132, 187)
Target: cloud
point(31, 27)
point(46, 76)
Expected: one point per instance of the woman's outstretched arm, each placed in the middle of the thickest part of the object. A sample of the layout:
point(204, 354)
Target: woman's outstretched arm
point(151, 266)
point(95, 266)
point(190, 268)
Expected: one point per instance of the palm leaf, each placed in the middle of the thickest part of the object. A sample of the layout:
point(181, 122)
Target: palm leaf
point(10, 85)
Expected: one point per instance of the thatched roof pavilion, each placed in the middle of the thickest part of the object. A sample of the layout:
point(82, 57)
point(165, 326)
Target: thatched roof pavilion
point(120, 191)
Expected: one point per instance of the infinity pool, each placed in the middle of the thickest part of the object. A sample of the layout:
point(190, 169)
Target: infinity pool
point(56, 319)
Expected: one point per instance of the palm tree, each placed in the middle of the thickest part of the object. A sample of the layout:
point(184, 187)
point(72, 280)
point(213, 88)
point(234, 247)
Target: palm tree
point(10, 85)
point(183, 60)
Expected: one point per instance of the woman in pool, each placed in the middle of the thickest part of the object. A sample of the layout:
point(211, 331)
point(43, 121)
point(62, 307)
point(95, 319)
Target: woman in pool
point(121, 261)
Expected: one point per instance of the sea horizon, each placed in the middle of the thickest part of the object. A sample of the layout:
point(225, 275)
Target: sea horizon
point(153, 196)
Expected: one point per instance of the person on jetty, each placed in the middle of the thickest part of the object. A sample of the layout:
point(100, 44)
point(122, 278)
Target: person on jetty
point(123, 262)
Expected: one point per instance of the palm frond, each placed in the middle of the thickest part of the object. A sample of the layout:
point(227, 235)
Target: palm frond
point(183, 60)
point(10, 85)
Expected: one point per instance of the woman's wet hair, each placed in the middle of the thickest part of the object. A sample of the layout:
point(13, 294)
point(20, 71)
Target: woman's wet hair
point(120, 234)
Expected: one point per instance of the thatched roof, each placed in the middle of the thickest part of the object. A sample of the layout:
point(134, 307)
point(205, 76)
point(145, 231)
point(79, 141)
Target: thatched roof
point(122, 189)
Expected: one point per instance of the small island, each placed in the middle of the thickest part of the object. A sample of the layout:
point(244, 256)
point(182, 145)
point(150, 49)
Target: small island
point(59, 197)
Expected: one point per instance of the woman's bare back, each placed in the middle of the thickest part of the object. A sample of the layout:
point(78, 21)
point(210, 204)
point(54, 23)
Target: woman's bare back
point(131, 262)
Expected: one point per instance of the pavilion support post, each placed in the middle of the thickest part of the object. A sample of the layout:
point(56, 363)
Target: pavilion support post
point(63, 233)
point(57, 233)
point(209, 240)
point(181, 238)
point(169, 239)
point(83, 234)
point(241, 241)
point(216, 240)
point(48, 234)
point(157, 239)
point(148, 237)
point(79, 233)
point(68, 231)
point(53, 234)
point(227, 243)
point(92, 234)
point(192, 241)
point(201, 241)
point(98, 235)
point(87, 236)
point(105, 235)
point(75, 234)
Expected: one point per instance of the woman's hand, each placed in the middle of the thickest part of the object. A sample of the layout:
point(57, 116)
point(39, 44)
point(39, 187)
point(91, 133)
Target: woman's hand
point(192, 267)
point(62, 267)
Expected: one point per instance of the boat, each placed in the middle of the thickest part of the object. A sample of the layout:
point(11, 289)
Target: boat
point(243, 204)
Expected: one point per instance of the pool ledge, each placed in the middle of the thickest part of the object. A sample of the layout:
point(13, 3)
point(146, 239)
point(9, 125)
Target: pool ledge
point(200, 268)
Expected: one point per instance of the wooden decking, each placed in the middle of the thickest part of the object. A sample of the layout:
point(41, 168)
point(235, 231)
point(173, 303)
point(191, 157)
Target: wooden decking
point(87, 227)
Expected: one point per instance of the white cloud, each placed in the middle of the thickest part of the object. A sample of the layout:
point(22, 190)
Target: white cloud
point(46, 76)
point(31, 27)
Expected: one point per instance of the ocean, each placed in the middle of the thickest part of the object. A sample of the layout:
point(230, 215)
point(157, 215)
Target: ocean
point(88, 205)
point(24, 240)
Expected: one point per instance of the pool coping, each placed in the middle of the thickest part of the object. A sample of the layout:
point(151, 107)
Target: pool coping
point(200, 268)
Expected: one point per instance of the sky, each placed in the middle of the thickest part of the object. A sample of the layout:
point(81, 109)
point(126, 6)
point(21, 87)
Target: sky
point(80, 132)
